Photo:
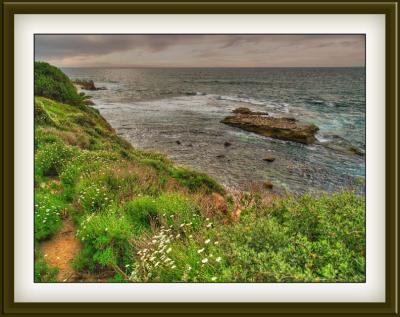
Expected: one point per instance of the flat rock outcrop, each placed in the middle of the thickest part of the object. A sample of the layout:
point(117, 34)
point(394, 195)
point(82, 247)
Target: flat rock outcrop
point(280, 128)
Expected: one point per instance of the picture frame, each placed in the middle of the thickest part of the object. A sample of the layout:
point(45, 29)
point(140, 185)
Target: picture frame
point(388, 9)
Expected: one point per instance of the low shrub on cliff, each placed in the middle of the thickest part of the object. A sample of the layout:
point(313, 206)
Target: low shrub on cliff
point(51, 158)
point(168, 209)
point(52, 83)
point(48, 209)
point(104, 237)
point(307, 239)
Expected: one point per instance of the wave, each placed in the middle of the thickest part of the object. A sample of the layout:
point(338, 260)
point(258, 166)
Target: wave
point(230, 82)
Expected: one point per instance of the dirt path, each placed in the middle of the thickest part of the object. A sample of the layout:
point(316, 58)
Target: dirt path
point(61, 249)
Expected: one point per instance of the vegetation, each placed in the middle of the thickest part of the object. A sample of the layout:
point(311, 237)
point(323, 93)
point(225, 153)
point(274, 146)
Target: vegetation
point(139, 217)
point(53, 83)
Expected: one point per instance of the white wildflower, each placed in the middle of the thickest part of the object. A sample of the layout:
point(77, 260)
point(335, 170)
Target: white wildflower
point(204, 261)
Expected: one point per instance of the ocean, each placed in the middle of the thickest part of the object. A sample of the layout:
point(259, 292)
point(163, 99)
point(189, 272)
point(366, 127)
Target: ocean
point(177, 111)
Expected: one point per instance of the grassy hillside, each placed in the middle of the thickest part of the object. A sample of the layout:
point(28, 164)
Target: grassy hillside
point(139, 217)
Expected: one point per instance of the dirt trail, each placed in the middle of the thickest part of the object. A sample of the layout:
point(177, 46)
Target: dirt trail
point(61, 249)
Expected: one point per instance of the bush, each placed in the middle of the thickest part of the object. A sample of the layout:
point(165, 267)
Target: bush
point(94, 197)
point(43, 273)
point(43, 137)
point(308, 239)
point(195, 181)
point(105, 239)
point(48, 210)
point(52, 83)
point(41, 115)
point(180, 254)
point(51, 158)
point(169, 208)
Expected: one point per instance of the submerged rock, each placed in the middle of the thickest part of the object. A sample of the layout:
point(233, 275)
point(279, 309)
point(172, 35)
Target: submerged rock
point(280, 128)
point(339, 144)
point(227, 143)
point(244, 110)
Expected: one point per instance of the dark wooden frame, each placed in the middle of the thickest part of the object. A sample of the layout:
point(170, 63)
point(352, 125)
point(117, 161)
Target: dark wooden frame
point(9, 307)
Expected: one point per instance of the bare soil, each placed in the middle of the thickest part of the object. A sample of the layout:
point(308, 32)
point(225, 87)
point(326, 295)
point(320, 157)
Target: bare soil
point(61, 249)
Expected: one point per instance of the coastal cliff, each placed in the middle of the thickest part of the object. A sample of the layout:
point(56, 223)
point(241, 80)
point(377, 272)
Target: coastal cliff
point(136, 216)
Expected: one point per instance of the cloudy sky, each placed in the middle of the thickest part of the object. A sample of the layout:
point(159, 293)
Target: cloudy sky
point(201, 50)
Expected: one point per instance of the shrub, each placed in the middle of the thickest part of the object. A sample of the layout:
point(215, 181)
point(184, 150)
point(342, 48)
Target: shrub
point(105, 239)
point(52, 83)
point(195, 181)
point(181, 254)
point(48, 210)
point(94, 196)
point(44, 273)
point(141, 212)
point(41, 115)
point(170, 208)
point(308, 239)
point(51, 158)
point(82, 120)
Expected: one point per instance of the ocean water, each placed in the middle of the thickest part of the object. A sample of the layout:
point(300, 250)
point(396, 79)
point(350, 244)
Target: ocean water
point(155, 108)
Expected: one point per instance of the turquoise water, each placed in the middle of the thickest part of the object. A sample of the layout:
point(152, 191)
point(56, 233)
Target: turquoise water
point(155, 108)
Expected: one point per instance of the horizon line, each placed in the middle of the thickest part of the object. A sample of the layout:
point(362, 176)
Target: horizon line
point(154, 67)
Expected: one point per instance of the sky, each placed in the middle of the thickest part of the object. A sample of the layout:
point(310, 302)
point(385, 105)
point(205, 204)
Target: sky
point(201, 50)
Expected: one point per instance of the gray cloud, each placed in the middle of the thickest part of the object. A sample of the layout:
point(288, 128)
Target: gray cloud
point(201, 50)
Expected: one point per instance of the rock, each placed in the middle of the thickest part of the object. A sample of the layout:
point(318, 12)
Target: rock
point(244, 110)
point(280, 128)
point(178, 142)
point(88, 102)
point(220, 156)
point(340, 144)
point(356, 150)
point(269, 159)
point(227, 143)
point(268, 185)
point(87, 85)
point(219, 202)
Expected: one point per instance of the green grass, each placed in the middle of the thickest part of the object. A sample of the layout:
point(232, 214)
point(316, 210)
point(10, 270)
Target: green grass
point(139, 217)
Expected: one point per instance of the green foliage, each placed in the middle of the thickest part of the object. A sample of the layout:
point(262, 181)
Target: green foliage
point(52, 83)
point(44, 273)
point(174, 208)
point(94, 196)
point(48, 210)
point(41, 115)
point(195, 181)
point(104, 236)
point(304, 239)
point(51, 158)
point(183, 253)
